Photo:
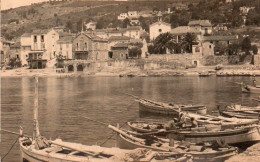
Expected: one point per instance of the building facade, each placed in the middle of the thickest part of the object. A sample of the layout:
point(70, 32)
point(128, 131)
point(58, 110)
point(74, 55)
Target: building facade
point(90, 47)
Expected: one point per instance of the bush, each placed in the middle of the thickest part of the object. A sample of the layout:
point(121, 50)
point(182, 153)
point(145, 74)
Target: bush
point(254, 49)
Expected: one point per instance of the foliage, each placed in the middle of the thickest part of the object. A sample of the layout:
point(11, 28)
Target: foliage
point(253, 18)
point(126, 22)
point(233, 49)
point(254, 49)
point(246, 45)
point(15, 62)
point(135, 52)
point(189, 40)
point(163, 42)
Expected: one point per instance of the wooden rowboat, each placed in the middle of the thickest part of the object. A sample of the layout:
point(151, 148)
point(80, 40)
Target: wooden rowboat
point(220, 120)
point(250, 89)
point(60, 151)
point(231, 135)
point(241, 114)
point(169, 109)
point(128, 140)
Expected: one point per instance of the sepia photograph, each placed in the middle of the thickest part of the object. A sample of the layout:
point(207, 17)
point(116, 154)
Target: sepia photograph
point(130, 81)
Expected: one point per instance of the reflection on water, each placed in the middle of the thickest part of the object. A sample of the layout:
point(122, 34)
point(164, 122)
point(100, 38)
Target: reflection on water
point(63, 102)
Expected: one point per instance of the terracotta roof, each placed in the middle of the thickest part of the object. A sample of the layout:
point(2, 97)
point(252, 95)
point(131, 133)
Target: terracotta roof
point(121, 45)
point(200, 22)
point(118, 38)
point(183, 30)
point(219, 38)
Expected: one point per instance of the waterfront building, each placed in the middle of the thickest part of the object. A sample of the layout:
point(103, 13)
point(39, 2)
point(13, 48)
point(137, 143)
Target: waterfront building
point(119, 51)
point(64, 47)
point(90, 47)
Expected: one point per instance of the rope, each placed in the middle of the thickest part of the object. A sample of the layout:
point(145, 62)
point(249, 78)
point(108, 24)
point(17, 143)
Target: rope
point(10, 149)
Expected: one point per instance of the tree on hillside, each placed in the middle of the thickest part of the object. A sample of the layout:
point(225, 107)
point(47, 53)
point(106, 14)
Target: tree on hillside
point(246, 45)
point(188, 41)
point(68, 25)
point(126, 22)
point(253, 18)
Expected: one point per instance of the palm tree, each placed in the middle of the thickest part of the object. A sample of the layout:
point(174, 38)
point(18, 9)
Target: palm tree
point(164, 41)
point(189, 40)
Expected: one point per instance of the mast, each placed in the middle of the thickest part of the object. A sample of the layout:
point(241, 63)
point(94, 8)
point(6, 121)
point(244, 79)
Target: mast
point(36, 131)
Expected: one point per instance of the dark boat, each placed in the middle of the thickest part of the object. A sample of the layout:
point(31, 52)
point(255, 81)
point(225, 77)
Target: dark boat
point(199, 152)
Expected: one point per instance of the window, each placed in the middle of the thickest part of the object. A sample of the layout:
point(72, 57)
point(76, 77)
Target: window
point(35, 38)
point(197, 49)
point(209, 46)
point(77, 45)
point(42, 38)
point(160, 30)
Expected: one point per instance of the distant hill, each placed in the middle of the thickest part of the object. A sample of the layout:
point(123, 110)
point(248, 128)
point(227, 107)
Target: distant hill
point(17, 21)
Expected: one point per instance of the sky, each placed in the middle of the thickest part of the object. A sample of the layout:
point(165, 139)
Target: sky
point(6, 4)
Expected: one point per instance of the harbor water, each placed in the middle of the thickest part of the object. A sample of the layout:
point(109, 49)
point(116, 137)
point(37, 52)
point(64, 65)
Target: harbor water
point(64, 102)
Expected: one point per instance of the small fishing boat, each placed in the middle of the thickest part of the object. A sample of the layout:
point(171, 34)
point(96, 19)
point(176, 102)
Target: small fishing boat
point(199, 152)
point(250, 89)
point(243, 112)
point(220, 120)
point(229, 134)
point(204, 74)
point(39, 149)
point(169, 109)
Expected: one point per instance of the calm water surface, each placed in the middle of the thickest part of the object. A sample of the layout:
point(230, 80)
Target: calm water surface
point(63, 102)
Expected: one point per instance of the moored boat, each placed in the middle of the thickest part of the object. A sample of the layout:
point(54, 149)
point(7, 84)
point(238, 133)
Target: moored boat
point(229, 134)
point(169, 109)
point(250, 89)
point(203, 152)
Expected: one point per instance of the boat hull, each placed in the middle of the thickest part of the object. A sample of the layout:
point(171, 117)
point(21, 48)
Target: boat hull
point(231, 137)
point(152, 108)
point(242, 115)
point(124, 143)
point(250, 89)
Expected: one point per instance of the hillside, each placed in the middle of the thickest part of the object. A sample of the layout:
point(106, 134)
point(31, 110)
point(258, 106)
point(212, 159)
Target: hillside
point(44, 15)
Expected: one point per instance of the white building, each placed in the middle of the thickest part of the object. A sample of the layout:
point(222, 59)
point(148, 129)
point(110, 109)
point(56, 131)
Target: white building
point(46, 42)
point(64, 47)
point(122, 16)
point(133, 14)
point(158, 28)
point(25, 47)
point(91, 25)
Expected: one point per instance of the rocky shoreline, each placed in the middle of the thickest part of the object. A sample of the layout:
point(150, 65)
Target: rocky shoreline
point(135, 72)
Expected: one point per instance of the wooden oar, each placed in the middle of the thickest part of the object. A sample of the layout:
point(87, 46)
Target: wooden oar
point(235, 82)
